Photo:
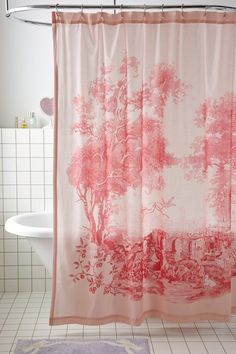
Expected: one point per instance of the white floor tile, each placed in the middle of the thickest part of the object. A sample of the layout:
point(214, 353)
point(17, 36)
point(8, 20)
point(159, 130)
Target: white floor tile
point(229, 347)
point(196, 348)
point(214, 348)
point(179, 348)
point(161, 348)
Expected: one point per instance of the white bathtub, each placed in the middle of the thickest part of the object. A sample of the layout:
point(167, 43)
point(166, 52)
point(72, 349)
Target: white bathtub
point(37, 228)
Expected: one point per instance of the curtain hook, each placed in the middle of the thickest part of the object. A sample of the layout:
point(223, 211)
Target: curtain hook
point(162, 11)
point(121, 11)
point(102, 12)
point(57, 11)
point(144, 8)
point(182, 10)
point(225, 12)
point(81, 12)
point(206, 7)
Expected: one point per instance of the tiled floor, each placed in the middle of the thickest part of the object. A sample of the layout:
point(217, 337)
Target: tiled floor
point(25, 315)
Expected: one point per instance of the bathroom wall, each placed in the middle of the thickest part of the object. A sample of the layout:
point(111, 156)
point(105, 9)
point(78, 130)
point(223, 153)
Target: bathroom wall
point(25, 185)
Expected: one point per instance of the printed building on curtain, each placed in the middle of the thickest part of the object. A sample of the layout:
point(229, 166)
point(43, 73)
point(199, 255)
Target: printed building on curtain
point(144, 167)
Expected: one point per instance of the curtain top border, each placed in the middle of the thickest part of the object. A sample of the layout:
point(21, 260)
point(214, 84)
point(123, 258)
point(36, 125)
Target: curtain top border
point(136, 17)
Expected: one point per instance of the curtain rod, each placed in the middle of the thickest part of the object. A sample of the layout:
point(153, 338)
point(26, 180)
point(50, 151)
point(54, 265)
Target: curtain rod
point(11, 13)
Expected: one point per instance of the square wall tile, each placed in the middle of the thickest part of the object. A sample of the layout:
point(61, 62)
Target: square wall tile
point(37, 204)
point(10, 258)
point(36, 260)
point(22, 136)
point(37, 177)
point(36, 136)
point(37, 164)
point(9, 191)
point(48, 150)
point(24, 258)
point(36, 150)
point(24, 205)
point(11, 272)
point(1, 272)
point(48, 191)
point(8, 136)
point(37, 191)
point(48, 177)
point(25, 272)
point(11, 285)
point(10, 205)
point(8, 150)
point(9, 164)
point(1, 259)
point(25, 285)
point(48, 204)
point(10, 245)
point(23, 177)
point(9, 178)
point(38, 272)
point(23, 245)
point(39, 285)
point(23, 150)
point(48, 136)
point(23, 164)
point(23, 191)
point(48, 163)
point(1, 245)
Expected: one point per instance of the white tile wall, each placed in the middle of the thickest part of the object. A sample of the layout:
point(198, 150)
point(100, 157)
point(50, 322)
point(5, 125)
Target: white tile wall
point(25, 185)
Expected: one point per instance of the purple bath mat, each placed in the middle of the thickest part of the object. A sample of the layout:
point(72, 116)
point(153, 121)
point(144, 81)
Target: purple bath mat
point(57, 346)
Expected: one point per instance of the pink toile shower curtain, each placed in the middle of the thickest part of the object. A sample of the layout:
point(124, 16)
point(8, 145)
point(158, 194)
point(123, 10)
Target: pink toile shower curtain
point(145, 167)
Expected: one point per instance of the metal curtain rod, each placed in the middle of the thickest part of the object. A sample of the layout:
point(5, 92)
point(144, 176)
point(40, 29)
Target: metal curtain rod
point(11, 13)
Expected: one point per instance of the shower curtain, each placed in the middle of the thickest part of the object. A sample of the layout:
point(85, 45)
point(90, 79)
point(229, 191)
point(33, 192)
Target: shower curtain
point(144, 167)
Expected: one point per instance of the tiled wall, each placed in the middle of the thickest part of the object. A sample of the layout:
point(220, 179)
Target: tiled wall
point(25, 185)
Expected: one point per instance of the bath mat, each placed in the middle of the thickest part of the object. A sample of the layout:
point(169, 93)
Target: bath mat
point(68, 346)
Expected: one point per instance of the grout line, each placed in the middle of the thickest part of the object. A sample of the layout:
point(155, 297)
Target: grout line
point(233, 334)
point(17, 243)
point(3, 217)
point(150, 338)
point(201, 338)
point(184, 339)
point(39, 314)
point(13, 302)
point(30, 187)
point(20, 321)
point(218, 337)
point(44, 205)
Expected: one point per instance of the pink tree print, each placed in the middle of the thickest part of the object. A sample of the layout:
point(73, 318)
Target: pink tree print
point(120, 153)
point(216, 151)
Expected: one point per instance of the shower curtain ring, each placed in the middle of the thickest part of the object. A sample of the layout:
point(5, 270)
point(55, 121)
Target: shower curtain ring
point(225, 11)
point(121, 11)
point(81, 12)
point(57, 11)
point(206, 7)
point(102, 12)
point(144, 8)
point(162, 10)
point(182, 10)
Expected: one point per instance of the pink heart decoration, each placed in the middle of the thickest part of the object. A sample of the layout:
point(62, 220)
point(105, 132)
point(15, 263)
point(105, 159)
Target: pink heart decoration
point(46, 105)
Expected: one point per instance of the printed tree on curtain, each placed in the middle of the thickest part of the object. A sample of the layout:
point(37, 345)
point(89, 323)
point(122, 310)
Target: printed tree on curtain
point(214, 154)
point(118, 155)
